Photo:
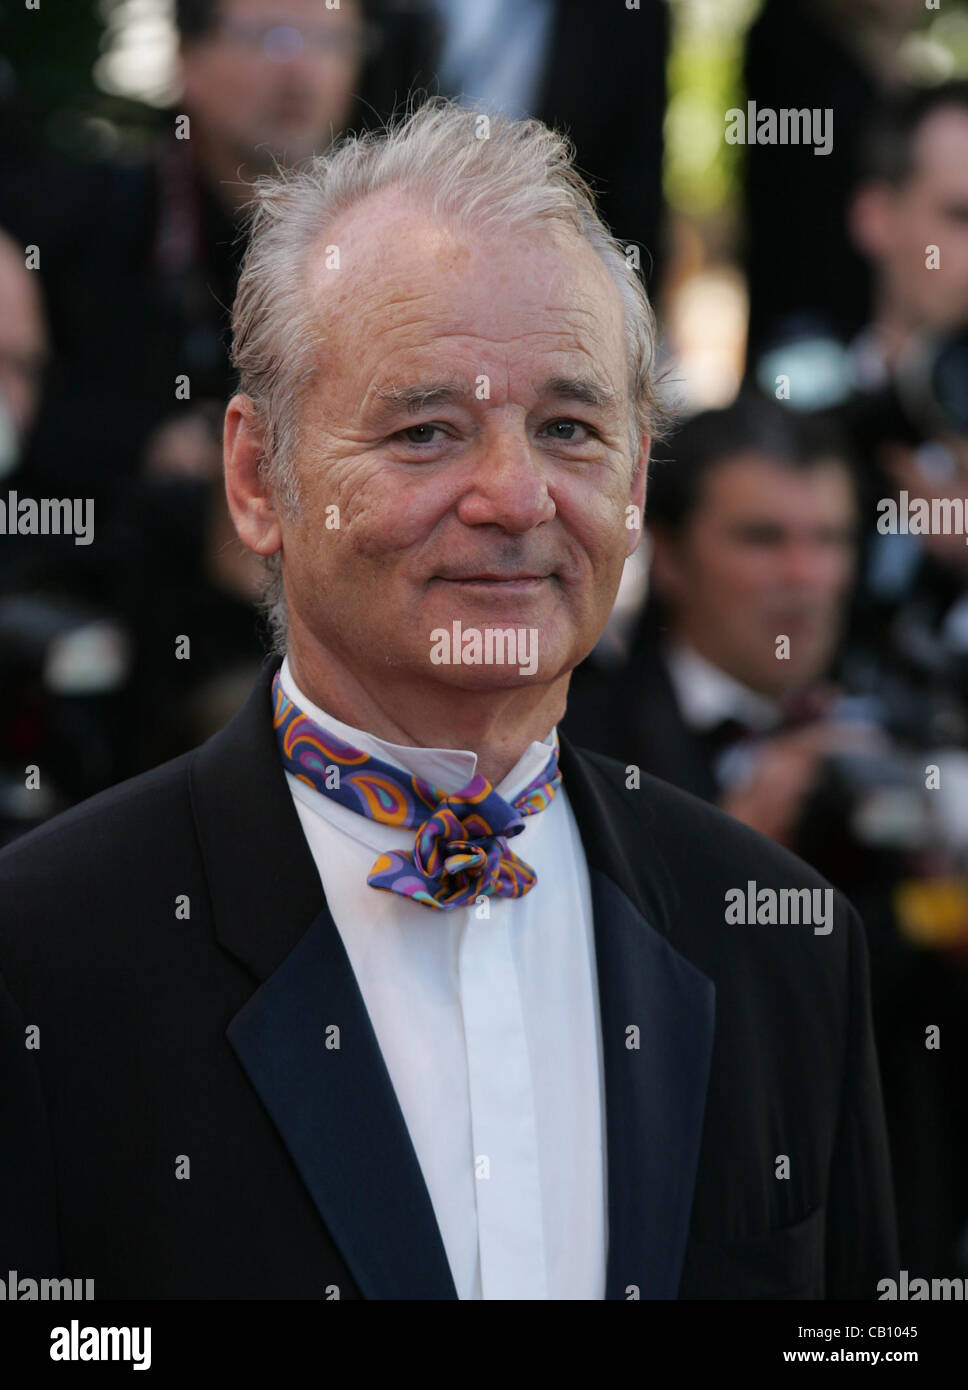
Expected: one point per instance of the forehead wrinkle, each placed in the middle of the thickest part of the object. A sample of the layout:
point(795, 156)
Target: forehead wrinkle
point(482, 350)
point(420, 396)
point(406, 310)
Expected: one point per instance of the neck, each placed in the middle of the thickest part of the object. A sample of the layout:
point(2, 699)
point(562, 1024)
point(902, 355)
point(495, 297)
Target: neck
point(497, 725)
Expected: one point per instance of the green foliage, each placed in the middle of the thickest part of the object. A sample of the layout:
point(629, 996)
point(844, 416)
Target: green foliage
point(702, 172)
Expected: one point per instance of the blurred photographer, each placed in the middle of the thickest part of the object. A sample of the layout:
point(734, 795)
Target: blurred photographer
point(752, 524)
point(139, 260)
point(907, 220)
point(911, 610)
point(62, 659)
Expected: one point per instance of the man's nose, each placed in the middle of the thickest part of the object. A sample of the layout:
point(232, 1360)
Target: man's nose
point(809, 565)
point(508, 486)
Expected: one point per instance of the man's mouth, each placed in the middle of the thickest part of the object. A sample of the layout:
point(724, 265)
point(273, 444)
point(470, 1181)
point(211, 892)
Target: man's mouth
point(494, 576)
point(522, 582)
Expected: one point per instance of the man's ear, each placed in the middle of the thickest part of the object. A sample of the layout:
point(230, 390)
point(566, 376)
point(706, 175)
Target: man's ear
point(251, 504)
point(637, 490)
point(868, 218)
point(665, 569)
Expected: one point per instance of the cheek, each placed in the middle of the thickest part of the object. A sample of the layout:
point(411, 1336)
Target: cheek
point(234, 83)
point(842, 574)
point(373, 521)
point(595, 518)
point(332, 82)
point(738, 584)
point(388, 521)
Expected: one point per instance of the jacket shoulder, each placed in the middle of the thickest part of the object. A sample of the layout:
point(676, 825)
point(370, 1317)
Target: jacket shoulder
point(694, 835)
point(104, 822)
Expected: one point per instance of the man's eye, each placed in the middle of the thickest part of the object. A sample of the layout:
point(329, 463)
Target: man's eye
point(424, 431)
point(567, 425)
point(563, 430)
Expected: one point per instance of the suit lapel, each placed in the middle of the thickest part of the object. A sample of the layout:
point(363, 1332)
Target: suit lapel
point(333, 1106)
point(307, 1045)
point(657, 1015)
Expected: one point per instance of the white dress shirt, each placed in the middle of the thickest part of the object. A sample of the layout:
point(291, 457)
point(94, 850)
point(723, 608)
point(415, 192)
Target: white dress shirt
point(707, 694)
point(489, 1027)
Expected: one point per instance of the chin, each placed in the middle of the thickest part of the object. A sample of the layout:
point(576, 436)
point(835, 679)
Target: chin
point(484, 681)
point(488, 653)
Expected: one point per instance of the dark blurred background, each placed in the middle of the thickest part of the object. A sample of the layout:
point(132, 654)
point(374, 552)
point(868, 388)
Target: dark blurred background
point(787, 641)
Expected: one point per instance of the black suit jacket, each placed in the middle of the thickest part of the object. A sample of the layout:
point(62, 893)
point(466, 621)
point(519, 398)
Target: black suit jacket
point(165, 1038)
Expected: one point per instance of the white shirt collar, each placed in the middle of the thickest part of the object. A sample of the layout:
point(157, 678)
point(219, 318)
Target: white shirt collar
point(448, 768)
point(706, 694)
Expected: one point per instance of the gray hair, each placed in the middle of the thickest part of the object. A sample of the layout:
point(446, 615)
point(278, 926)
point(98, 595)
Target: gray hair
point(476, 168)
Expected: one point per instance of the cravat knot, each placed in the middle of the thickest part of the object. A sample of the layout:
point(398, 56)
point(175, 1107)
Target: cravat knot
point(460, 850)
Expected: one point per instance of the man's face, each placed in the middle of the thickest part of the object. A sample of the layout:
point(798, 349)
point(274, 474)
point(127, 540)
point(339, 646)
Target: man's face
point(929, 209)
point(274, 78)
point(501, 501)
point(767, 552)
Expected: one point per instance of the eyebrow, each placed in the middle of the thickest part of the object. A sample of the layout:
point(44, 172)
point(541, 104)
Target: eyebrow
point(426, 395)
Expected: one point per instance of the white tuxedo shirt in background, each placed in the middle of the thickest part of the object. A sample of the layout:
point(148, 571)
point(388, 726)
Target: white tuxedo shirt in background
point(489, 1028)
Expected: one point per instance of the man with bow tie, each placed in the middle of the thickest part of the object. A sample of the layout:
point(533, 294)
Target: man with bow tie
point(386, 991)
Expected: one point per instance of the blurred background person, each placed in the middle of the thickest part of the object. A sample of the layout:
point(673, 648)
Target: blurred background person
point(139, 261)
point(904, 224)
point(910, 619)
point(597, 72)
point(912, 195)
point(60, 659)
point(751, 517)
point(23, 354)
point(806, 54)
point(907, 408)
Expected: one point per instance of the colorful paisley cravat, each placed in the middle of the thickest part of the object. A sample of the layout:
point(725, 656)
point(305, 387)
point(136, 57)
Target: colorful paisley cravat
point(460, 850)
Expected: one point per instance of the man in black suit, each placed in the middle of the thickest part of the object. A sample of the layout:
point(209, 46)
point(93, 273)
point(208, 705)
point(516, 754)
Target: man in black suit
point(753, 520)
point(582, 1036)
